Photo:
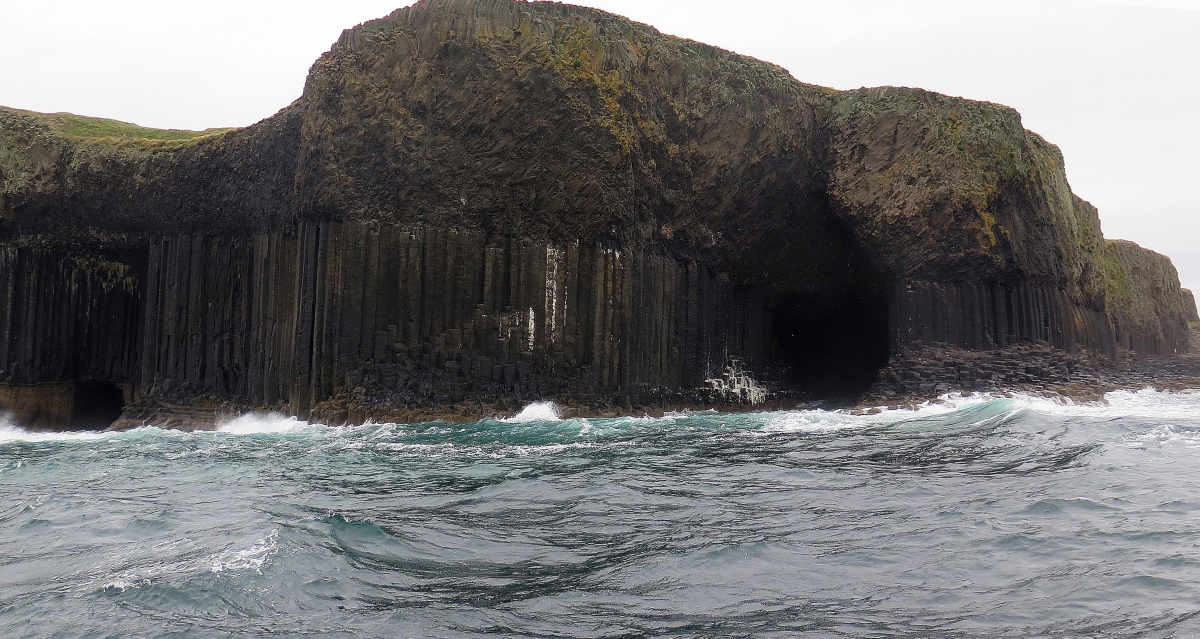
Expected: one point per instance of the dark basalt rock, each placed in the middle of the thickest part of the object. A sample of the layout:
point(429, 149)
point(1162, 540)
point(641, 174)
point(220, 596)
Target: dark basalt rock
point(1189, 306)
point(1149, 310)
point(477, 203)
point(924, 371)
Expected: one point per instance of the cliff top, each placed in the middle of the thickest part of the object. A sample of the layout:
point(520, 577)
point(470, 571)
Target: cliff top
point(104, 131)
point(566, 123)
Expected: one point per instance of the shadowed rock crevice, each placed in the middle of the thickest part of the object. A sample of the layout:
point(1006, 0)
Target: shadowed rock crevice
point(96, 405)
point(833, 343)
point(834, 352)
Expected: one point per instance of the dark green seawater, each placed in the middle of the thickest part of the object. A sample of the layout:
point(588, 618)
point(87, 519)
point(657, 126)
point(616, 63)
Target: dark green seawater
point(980, 518)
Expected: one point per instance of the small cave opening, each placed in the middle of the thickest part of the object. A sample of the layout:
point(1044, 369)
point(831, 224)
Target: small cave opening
point(97, 405)
point(834, 346)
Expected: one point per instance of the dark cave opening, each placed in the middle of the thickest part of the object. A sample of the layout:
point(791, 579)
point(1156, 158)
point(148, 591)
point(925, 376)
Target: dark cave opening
point(97, 405)
point(833, 348)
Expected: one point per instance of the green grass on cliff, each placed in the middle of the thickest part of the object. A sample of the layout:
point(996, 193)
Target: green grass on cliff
point(121, 134)
point(1116, 278)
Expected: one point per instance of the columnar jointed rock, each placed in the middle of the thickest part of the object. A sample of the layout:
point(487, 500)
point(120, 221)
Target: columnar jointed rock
point(928, 370)
point(414, 316)
point(490, 201)
point(934, 369)
point(1189, 306)
point(987, 316)
point(1148, 308)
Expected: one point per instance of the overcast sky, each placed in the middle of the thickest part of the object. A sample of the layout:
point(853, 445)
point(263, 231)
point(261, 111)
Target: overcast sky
point(1115, 84)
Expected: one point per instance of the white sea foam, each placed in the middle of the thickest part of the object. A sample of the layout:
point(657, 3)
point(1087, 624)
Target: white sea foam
point(10, 432)
point(1146, 403)
point(420, 449)
point(251, 558)
point(260, 423)
point(536, 412)
point(119, 585)
point(542, 449)
point(15, 434)
point(1164, 435)
point(808, 421)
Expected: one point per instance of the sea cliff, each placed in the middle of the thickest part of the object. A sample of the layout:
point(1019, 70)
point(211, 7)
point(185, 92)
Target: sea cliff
point(480, 203)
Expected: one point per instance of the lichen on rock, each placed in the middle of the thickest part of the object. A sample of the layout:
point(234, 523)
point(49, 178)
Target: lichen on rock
point(482, 202)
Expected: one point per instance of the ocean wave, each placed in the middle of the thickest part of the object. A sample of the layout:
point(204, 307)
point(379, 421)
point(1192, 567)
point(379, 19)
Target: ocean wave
point(10, 433)
point(1145, 403)
point(820, 421)
point(1171, 416)
point(121, 585)
point(514, 523)
point(536, 412)
point(252, 558)
point(1164, 435)
point(262, 424)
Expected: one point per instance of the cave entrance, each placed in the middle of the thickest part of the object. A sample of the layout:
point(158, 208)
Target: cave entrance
point(834, 345)
point(96, 405)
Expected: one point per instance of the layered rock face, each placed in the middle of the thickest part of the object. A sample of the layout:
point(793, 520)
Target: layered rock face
point(1149, 310)
point(1189, 306)
point(481, 202)
point(395, 316)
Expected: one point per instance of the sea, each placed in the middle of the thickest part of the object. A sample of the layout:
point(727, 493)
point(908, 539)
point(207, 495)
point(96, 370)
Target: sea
point(971, 516)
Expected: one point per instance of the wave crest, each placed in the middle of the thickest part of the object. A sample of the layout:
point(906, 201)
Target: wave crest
point(261, 423)
point(536, 412)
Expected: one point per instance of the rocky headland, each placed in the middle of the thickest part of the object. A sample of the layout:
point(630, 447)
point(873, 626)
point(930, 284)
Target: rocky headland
point(1154, 321)
point(476, 204)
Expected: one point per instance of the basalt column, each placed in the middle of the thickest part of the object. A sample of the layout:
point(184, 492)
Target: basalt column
point(68, 337)
point(987, 316)
point(220, 318)
point(393, 316)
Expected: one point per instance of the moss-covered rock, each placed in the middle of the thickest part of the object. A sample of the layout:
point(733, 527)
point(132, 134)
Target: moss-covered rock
point(652, 176)
point(1189, 306)
point(943, 188)
point(562, 122)
point(1149, 310)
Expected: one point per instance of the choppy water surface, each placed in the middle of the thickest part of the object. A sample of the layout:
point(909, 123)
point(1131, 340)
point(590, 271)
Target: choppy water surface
point(980, 518)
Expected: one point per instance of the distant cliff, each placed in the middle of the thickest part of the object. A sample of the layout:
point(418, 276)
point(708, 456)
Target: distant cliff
point(1149, 310)
point(476, 203)
point(1189, 306)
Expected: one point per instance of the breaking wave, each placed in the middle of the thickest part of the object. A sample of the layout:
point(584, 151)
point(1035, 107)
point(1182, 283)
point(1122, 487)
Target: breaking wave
point(970, 516)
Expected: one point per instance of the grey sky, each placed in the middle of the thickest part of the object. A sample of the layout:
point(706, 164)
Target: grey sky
point(1114, 84)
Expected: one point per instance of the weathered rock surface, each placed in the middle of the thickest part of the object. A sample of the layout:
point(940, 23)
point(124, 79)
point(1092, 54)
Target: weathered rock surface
point(1148, 308)
point(1189, 306)
point(477, 203)
point(927, 371)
